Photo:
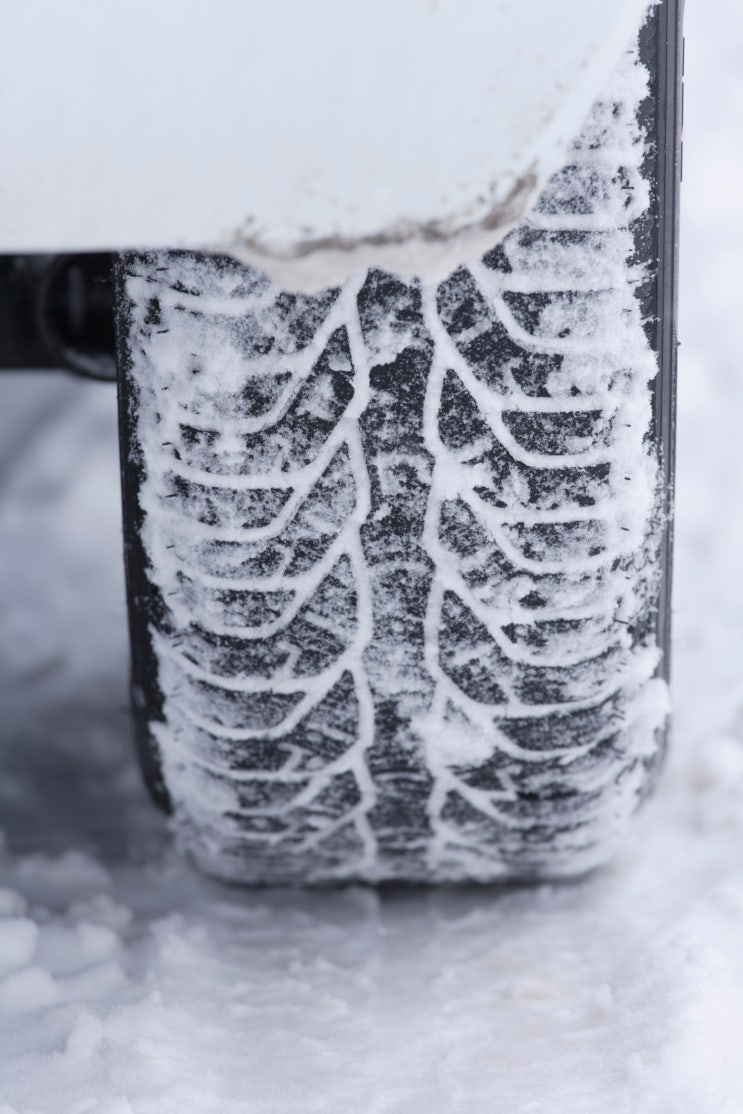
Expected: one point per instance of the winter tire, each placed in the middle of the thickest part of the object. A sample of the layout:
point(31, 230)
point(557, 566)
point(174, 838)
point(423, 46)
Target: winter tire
point(397, 553)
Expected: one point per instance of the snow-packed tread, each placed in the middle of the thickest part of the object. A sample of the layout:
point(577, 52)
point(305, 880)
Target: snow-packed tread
point(402, 547)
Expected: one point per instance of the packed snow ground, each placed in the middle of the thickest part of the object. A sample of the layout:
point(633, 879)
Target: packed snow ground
point(130, 985)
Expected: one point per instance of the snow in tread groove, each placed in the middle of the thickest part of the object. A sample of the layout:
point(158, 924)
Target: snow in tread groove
point(401, 533)
point(620, 994)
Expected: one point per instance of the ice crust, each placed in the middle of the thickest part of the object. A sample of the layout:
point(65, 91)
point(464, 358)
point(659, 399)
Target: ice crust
point(405, 539)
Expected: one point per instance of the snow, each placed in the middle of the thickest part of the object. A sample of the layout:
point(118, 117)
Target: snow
point(133, 986)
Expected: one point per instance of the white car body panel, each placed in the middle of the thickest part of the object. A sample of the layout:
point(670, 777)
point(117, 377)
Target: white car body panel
point(309, 138)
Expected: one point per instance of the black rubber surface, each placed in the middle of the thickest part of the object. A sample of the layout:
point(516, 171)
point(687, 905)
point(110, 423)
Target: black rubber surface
point(397, 554)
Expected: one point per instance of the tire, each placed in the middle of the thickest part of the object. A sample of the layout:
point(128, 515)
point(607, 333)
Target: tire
point(396, 551)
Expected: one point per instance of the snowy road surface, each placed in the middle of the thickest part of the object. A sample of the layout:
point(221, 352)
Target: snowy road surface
point(129, 985)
